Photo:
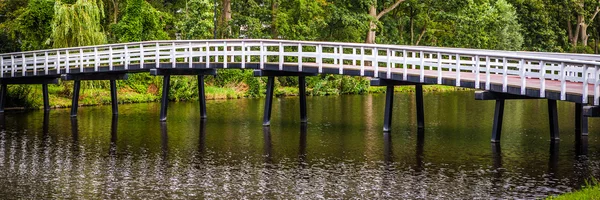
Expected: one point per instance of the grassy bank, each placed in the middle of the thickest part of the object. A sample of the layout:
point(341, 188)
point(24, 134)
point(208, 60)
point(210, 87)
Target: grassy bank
point(590, 191)
point(230, 84)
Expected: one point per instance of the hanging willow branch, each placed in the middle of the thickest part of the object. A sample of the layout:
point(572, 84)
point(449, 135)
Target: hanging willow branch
point(77, 24)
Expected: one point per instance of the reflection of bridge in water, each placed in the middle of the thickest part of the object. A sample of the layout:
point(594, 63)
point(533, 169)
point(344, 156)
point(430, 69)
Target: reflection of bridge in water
point(503, 75)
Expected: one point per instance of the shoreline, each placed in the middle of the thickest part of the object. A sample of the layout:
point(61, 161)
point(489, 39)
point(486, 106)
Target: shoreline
point(101, 96)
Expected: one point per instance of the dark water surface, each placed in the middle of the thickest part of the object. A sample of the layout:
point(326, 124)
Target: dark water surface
point(341, 153)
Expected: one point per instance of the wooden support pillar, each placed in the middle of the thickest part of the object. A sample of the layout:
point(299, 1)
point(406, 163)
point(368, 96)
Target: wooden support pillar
point(420, 110)
point(46, 98)
point(553, 120)
point(389, 105)
point(269, 101)
point(581, 121)
point(75, 102)
point(3, 94)
point(302, 90)
point(164, 103)
point(113, 97)
point(498, 116)
point(201, 96)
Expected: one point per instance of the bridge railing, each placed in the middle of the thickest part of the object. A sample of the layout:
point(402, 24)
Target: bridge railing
point(433, 62)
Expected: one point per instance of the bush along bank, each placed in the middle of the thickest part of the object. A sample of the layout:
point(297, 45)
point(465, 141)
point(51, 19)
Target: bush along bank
point(229, 84)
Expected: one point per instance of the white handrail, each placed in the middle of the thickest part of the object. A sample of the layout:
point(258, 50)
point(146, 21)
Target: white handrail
point(565, 68)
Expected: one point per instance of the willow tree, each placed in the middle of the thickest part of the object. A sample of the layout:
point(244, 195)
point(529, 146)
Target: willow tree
point(77, 24)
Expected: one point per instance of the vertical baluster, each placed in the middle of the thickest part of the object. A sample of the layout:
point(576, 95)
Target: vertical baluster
point(504, 75)
point(422, 67)
point(96, 59)
point(13, 66)
point(34, 64)
point(439, 68)
point(542, 79)
point(280, 56)
point(341, 63)
point(458, 70)
point(2, 66)
point(57, 64)
point(243, 55)
point(262, 55)
point(522, 70)
point(126, 64)
point(157, 55)
point(190, 55)
point(596, 85)
point(81, 58)
point(225, 55)
point(477, 69)
point(563, 82)
point(335, 60)
point(405, 65)
point(141, 56)
point(585, 85)
point(320, 58)
point(362, 61)
point(299, 57)
point(389, 54)
point(23, 65)
point(173, 58)
point(354, 56)
point(110, 58)
point(487, 73)
point(375, 62)
point(207, 55)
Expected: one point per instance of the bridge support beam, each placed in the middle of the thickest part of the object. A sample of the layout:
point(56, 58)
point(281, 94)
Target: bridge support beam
point(46, 97)
point(389, 101)
point(581, 121)
point(77, 78)
point(553, 120)
point(164, 101)
point(166, 73)
point(499, 112)
point(44, 81)
point(498, 117)
point(3, 93)
point(75, 101)
point(269, 101)
point(271, 88)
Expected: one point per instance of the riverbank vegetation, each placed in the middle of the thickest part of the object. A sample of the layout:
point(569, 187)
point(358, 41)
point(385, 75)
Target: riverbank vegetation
point(536, 25)
point(590, 191)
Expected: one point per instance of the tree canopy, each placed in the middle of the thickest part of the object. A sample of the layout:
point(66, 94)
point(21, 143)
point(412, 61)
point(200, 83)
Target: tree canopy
point(533, 25)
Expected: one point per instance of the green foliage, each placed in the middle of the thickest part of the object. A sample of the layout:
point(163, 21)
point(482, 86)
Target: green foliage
point(300, 19)
point(77, 24)
point(33, 24)
point(141, 22)
point(196, 22)
point(591, 190)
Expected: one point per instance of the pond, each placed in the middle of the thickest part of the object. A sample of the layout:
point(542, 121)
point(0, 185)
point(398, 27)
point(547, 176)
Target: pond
point(341, 153)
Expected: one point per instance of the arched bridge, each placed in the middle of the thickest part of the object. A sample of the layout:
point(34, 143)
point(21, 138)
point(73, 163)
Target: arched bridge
point(501, 75)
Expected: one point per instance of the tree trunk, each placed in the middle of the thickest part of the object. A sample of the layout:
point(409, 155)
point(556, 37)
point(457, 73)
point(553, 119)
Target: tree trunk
point(225, 18)
point(274, 5)
point(115, 10)
point(372, 26)
point(576, 34)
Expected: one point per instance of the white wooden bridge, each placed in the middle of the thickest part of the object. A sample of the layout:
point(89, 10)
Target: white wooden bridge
point(502, 74)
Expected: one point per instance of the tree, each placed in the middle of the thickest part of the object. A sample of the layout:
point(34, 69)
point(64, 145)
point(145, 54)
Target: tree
point(77, 24)
point(375, 16)
point(299, 20)
point(141, 22)
point(197, 21)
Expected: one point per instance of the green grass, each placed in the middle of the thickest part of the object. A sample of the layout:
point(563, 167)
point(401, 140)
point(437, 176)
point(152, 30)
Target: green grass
point(590, 191)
